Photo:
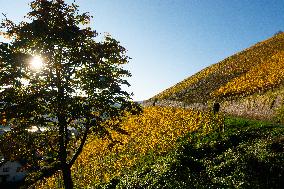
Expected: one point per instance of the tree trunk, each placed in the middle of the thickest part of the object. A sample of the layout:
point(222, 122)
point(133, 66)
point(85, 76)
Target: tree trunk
point(68, 182)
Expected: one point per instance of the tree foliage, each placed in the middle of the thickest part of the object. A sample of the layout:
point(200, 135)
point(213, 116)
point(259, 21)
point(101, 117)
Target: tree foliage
point(78, 87)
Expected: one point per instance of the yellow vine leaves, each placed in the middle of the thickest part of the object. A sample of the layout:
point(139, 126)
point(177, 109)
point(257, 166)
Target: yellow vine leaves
point(154, 131)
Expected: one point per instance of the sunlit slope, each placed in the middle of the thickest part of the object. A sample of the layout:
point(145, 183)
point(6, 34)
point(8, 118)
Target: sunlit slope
point(255, 69)
point(154, 132)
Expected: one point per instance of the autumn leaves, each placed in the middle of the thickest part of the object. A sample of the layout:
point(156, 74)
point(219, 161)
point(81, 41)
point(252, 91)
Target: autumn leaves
point(154, 131)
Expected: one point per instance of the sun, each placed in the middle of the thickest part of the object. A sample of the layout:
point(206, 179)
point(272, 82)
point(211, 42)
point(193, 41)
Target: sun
point(36, 63)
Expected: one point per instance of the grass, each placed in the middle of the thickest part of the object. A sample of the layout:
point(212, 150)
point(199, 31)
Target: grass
point(248, 154)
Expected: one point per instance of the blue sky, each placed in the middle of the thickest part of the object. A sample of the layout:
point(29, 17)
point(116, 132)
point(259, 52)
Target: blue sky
point(170, 40)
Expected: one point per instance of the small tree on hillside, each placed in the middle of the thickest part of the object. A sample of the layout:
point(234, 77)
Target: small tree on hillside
point(53, 74)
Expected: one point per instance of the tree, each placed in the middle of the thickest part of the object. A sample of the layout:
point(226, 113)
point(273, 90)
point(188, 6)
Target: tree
point(78, 86)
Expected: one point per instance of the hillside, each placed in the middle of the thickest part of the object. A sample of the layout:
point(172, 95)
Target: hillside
point(253, 71)
point(148, 135)
point(181, 148)
point(249, 154)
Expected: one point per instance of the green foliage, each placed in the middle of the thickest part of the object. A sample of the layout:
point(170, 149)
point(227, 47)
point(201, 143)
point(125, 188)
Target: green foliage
point(249, 154)
point(279, 117)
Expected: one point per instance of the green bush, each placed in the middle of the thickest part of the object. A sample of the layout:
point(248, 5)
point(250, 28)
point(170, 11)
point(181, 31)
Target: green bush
point(249, 154)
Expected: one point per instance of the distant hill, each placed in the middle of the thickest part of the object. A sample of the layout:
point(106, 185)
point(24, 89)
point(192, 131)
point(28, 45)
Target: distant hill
point(248, 83)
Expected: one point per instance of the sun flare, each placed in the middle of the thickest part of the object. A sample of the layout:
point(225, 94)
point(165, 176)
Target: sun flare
point(36, 63)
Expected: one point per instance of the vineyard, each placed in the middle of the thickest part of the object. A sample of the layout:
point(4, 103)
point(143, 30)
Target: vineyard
point(256, 69)
point(155, 132)
point(179, 148)
point(264, 76)
point(159, 147)
point(68, 119)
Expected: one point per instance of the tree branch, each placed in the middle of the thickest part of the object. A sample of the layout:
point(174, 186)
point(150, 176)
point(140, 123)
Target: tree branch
point(52, 148)
point(80, 148)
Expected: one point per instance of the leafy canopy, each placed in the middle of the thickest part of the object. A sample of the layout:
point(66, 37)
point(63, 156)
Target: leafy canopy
point(78, 86)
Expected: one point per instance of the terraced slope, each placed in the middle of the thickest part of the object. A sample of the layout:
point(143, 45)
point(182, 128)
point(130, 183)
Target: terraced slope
point(253, 70)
